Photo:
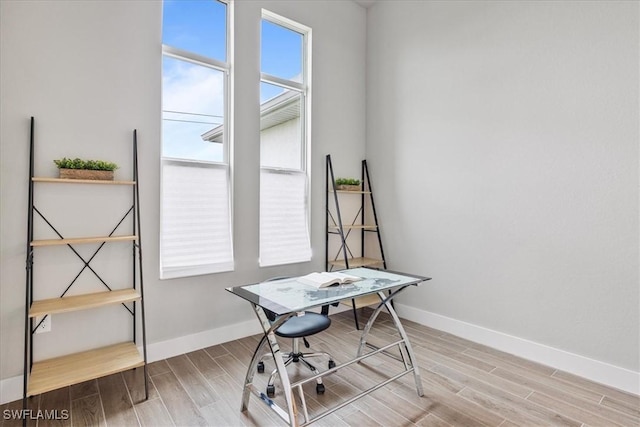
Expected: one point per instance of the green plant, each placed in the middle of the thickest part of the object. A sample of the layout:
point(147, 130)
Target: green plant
point(347, 181)
point(98, 165)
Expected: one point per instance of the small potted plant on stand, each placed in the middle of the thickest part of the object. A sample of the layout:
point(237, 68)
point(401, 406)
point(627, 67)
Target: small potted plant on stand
point(85, 169)
point(348, 184)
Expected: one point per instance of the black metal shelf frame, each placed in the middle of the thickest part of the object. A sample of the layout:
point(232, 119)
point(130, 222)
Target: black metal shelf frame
point(137, 276)
point(345, 253)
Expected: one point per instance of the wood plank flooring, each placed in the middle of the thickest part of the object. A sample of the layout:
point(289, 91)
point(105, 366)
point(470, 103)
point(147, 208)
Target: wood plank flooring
point(465, 384)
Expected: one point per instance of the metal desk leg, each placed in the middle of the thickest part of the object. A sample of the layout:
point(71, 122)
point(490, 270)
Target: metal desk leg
point(270, 337)
point(367, 327)
point(248, 379)
point(407, 343)
point(386, 302)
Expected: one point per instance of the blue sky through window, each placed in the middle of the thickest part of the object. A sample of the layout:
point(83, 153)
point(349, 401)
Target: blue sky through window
point(196, 26)
point(281, 52)
point(193, 95)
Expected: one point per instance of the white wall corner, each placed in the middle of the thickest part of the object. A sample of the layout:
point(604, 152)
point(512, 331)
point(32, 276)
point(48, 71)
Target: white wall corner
point(594, 370)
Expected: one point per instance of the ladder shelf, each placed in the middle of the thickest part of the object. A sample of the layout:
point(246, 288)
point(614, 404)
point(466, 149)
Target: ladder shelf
point(364, 221)
point(46, 375)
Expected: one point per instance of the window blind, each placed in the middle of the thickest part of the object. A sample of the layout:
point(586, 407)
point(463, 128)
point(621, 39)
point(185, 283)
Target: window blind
point(195, 220)
point(284, 230)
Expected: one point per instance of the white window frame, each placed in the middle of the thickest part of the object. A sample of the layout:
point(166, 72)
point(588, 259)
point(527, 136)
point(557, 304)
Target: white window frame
point(304, 89)
point(227, 148)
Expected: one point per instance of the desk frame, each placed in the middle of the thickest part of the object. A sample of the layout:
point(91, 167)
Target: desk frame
point(289, 415)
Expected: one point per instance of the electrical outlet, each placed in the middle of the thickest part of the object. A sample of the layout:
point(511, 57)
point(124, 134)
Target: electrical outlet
point(45, 326)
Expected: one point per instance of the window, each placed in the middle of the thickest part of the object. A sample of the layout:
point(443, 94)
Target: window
point(284, 141)
point(195, 211)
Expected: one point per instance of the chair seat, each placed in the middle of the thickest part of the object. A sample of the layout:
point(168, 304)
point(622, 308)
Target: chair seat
point(303, 326)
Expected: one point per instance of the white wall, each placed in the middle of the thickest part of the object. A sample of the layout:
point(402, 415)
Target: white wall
point(280, 144)
point(503, 142)
point(90, 73)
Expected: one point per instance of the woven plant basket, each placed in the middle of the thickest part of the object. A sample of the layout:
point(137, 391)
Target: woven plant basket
point(345, 187)
point(86, 174)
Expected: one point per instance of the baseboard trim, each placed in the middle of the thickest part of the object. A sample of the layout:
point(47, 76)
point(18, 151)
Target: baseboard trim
point(604, 373)
point(594, 370)
point(181, 345)
point(11, 388)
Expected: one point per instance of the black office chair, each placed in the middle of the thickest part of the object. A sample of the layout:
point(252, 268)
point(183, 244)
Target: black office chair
point(299, 327)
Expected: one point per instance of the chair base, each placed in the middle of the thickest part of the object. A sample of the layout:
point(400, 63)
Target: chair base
point(297, 357)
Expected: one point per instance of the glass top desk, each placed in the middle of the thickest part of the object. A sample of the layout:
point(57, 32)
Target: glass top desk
point(286, 297)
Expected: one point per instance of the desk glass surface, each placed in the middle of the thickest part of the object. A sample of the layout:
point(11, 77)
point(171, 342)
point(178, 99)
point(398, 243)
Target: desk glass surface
point(291, 295)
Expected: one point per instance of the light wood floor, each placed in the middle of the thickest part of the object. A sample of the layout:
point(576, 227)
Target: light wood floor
point(465, 384)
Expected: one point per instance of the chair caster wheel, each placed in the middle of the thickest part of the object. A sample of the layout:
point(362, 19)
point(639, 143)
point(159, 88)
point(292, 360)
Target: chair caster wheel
point(271, 390)
point(261, 367)
point(320, 388)
point(332, 364)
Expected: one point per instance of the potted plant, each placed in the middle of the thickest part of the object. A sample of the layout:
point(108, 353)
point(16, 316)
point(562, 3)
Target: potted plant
point(85, 169)
point(348, 184)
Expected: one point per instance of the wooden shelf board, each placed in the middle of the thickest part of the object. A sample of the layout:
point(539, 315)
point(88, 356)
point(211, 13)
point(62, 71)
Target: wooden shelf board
point(80, 240)
point(357, 262)
point(355, 227)
point(363, 301)
point(75, 368)
point(82, 302)
point(81, 181)
point(353, 192)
